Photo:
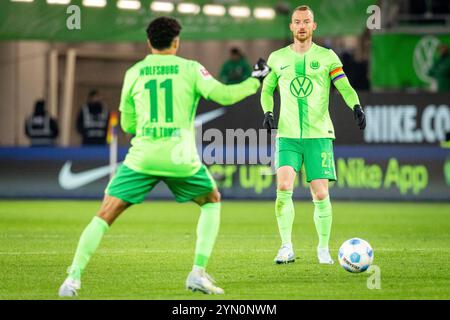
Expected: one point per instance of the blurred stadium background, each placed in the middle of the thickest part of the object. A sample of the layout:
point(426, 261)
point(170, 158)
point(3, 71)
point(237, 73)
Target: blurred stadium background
point(403, 155)
point(399, 155)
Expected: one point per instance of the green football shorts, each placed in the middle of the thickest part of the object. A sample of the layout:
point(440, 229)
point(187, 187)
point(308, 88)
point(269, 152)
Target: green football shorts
point(316, 155)
point(131, 186)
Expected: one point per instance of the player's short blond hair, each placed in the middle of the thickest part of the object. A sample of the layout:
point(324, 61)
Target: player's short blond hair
point(303, 7)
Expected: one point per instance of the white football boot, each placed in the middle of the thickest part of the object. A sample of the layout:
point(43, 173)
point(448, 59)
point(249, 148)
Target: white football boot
point(199, 280)
point(323, 254)
point(285, 254)
point(69, 288)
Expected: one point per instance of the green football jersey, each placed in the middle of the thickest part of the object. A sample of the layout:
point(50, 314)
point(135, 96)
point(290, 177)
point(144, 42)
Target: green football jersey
point(304, 84)
point(163, 91)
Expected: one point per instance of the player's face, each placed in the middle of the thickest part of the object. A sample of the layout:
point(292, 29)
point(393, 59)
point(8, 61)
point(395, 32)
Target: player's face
point(302, 25)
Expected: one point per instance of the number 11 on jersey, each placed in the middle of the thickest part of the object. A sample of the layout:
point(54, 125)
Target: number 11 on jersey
point(152, 86)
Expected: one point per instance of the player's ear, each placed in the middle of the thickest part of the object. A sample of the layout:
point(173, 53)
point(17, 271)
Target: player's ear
point(176, 43)
point(314, 26)
point(149, 45)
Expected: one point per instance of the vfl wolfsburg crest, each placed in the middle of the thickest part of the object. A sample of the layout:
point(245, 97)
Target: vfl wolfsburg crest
point(423, 57)
point(301, 87)
point(314, 64)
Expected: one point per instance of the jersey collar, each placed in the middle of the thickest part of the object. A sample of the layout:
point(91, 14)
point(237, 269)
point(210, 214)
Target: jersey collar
point(313, 46)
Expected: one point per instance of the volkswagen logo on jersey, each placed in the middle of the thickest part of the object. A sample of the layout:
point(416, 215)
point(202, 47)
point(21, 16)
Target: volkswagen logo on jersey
point(315, 65)
point(301, 87)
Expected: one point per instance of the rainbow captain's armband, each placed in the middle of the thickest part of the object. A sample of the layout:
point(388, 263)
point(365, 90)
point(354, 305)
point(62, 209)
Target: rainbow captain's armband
point(337, 74)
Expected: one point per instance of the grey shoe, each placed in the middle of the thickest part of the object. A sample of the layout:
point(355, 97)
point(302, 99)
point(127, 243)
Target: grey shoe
point(285, 254)
point(199, 280)
point(323, 254)
point(69, 288)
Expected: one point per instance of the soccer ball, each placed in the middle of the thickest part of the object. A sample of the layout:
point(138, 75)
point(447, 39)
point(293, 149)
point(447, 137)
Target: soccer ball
point(355, 255)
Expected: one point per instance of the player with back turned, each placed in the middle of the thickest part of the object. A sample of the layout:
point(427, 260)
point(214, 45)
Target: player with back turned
point(159, 99)
point(303, 71)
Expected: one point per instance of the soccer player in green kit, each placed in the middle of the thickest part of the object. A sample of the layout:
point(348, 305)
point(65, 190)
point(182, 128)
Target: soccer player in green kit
point(158, 105)
point(303, 71)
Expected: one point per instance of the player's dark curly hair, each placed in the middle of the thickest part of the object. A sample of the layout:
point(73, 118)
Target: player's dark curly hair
point(161, 32)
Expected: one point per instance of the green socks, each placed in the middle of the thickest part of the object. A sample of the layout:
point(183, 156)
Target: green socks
point(88, 243)
point(284, 210)
point(207, 230)
point(323, 219)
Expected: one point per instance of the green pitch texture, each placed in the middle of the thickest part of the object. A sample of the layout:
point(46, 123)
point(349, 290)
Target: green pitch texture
point(148, 252)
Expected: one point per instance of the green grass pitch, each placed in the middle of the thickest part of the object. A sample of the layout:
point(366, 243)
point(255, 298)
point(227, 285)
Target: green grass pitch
point(148, 252)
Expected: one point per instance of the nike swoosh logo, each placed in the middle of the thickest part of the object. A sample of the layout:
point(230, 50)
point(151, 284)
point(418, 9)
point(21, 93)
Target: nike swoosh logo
point(70, 181)
point(209, 116)
point(282, 68)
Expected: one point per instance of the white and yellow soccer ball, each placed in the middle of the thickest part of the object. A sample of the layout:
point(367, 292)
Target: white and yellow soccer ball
point(355, 255)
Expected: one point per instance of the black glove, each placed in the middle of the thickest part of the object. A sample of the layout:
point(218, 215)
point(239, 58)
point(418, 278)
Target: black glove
point(260, 70)
point(269, 122)
point(360, 117)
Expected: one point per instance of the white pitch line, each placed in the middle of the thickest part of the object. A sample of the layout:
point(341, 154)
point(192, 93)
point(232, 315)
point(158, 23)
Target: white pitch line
point(124, 252)
point(104, 252)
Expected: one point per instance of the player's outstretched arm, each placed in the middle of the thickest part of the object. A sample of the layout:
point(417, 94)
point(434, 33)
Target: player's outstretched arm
point(351, 99)
point(230, 94)
point(233, 93)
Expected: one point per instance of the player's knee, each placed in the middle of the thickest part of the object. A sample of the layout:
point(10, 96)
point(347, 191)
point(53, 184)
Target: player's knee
point(109, 215)
point(214, 197)
point(320, 194)
point(111, 208)
point(285, 186)
point(105, 216)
